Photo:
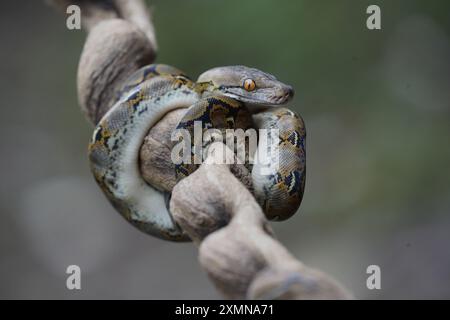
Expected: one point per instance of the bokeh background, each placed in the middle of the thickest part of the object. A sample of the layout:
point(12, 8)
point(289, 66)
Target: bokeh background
point(377, 109)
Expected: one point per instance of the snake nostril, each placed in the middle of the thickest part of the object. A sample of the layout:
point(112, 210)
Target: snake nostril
point(290, 91)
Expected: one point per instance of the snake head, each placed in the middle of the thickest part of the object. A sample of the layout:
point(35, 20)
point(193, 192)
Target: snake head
point(248, 85)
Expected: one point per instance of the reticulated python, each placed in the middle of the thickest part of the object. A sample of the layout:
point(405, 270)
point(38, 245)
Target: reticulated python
point(224, 98)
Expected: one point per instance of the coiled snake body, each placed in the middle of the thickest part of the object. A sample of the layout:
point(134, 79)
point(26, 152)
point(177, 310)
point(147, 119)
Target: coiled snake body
point(224, 98)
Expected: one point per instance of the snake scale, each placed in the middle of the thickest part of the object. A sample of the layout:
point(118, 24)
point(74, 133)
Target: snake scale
point(225, 98)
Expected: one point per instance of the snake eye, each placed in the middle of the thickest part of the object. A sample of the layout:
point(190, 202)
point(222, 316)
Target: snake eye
point(249, 85)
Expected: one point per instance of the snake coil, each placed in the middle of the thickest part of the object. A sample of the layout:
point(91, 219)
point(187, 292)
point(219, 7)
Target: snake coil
point(233, 97)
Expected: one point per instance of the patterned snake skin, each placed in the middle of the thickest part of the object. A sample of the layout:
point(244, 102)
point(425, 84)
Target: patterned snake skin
point(233, 97)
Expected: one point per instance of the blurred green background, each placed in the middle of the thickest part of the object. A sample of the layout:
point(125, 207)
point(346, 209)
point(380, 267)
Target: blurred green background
point(377, 110)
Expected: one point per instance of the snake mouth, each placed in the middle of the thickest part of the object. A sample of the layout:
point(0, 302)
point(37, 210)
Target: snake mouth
point(270, 96)
point(271, 100)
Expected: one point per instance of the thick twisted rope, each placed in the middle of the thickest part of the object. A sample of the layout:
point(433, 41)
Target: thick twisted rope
point(237, 247)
